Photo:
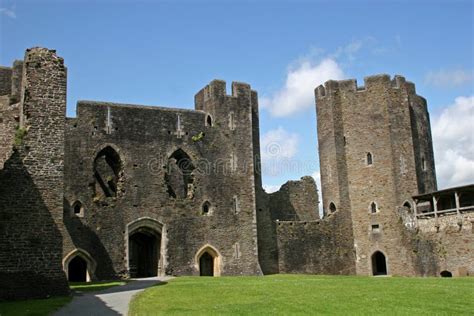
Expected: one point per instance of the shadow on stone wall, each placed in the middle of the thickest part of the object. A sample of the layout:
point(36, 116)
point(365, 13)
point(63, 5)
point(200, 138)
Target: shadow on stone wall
point(85, 238)
point(30, 240)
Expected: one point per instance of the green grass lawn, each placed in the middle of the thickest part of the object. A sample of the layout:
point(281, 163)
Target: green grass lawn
point(309, 295)
point(94, 286)
point(33, 307)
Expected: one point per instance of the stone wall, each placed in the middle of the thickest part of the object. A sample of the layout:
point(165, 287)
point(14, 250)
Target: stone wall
point(31, 185)
point(5, 80)
point(220, 149)
point(441, 244)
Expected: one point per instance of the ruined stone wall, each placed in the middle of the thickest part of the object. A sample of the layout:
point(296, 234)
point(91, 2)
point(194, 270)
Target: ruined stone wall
point(5, 80)
point(442, 244)
point(145, 138)
point(316, 247)
point(31, 185)
point(295, 201)
point(372, 119)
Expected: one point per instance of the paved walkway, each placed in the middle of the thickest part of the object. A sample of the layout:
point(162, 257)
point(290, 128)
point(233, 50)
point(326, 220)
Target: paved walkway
point(112, 301)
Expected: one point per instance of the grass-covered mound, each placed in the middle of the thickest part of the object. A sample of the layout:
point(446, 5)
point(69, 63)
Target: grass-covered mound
point(308, 295)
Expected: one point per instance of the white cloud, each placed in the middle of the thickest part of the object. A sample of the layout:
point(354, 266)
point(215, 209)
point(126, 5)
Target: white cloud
point(278, 144)
point(7, 12)
point(298, 93)
point(448, 78)
point(269, 188)
point(453, 141)
point(317, 177)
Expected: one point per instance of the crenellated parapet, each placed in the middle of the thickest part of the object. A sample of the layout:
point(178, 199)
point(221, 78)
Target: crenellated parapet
point(371, 83)
point(216, 90)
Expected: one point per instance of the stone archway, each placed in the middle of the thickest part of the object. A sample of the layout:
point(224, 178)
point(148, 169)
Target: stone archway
point(79, 266)
point(143, 248)
point(208, 261)
point(379, 263)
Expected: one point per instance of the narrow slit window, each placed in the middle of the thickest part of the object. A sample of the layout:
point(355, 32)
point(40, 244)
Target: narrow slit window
point(423, 164)
point(369, 159)
point(373, 207)
point(231, 121)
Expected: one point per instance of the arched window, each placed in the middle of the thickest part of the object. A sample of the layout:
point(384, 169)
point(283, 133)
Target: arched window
point(209, 121)
point(332, 207)
point(369, 159)
point(373, 207)
point(179, 175)
point(78, 209)
point(107, 173)
point(206, 208)
point(407, 205)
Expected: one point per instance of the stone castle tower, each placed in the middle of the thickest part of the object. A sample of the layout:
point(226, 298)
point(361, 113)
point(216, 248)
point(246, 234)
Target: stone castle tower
point(375, 153)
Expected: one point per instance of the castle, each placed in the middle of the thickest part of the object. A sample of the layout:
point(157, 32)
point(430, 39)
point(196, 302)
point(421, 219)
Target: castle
point(135, 191)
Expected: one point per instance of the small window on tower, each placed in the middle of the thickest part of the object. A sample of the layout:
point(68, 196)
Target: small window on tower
point(423, 163)
point(332, 207)
point(369, 159)
point(209, 121)
point(78, 209)
point(376, 228)
point(206, 208)
point(373, 207)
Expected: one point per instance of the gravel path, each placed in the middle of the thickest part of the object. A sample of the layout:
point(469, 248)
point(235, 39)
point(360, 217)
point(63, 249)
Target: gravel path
point(112, 301)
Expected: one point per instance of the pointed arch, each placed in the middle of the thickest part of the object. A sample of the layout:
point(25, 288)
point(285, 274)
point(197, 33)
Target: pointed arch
point(84, 256)
point(108, 172)
point(206, 255)
point(144, 250)
point(179, 176)
point(209, 120)
point(373, 207)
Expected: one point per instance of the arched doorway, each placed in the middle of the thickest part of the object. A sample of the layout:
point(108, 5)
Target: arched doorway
point(144, 248)
point(77, 270)
point(446, 274)
point(143, 254)
point(206, 265)
point(208, 261)
point(79, 266)
point(379, 265)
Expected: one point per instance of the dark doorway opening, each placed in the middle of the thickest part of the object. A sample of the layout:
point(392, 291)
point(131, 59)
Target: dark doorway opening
point(77, 270)
point(446, 274)
point(206, 265)
point(144, 247)
point(379, 265)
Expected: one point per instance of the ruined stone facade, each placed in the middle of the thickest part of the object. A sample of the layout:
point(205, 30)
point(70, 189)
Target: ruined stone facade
point(131, 191)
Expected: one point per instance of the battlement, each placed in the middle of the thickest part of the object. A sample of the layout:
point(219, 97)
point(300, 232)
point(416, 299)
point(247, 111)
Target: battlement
point(217, 89)
point(370, 83)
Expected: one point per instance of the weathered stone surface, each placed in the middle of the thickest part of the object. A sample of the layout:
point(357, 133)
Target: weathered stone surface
point(31, 183)
point(179, 185)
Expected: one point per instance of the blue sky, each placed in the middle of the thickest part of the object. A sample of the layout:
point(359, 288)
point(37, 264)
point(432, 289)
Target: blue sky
point(163, 52)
